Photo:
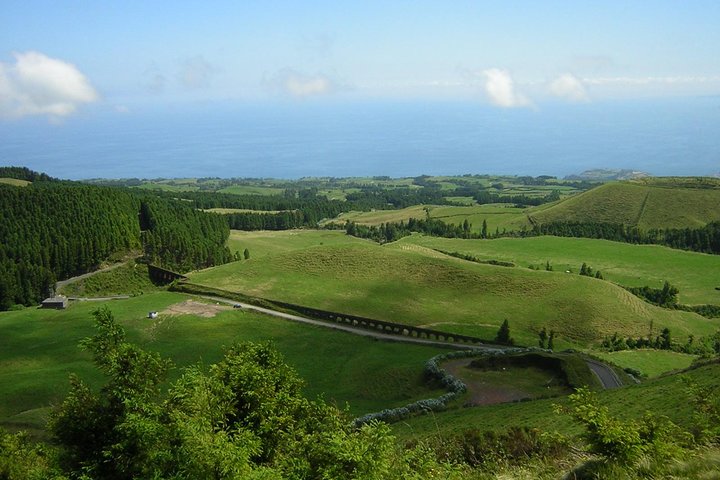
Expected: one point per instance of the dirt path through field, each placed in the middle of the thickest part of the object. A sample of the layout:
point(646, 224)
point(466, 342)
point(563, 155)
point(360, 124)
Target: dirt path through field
point(192, 307)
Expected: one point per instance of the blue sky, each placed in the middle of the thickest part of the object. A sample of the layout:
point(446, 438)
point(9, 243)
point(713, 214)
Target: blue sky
point(60, 58)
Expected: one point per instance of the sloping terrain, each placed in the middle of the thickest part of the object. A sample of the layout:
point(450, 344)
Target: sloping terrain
point(418, 286)
point(650, 203)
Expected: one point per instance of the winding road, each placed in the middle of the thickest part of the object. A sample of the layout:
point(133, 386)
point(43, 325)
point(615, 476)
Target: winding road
point(607, 376)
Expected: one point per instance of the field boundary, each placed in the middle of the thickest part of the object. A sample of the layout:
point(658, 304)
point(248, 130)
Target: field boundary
point(379, 326)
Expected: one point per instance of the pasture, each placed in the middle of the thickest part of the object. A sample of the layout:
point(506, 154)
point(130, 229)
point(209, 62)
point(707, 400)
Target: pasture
point(650, 362)
point(414, 285)
point(695, 274)
point(647, 204)
point(41, 350)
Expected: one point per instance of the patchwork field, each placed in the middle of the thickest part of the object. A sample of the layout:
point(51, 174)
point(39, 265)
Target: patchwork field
point(498, 216)
point(264, 242)
point(695, 274)
point(40, 349)
point(415, 285)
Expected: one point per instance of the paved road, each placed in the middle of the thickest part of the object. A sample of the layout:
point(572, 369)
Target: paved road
point(607, 376)
point(356, 331)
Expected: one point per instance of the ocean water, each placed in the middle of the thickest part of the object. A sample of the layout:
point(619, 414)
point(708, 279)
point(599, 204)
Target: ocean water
point(662, 137)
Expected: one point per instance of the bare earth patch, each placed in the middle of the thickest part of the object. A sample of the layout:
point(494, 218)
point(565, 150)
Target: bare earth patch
point(191, 307)
point(482, 392)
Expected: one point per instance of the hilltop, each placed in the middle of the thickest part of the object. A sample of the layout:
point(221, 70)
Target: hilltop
point(646, 203)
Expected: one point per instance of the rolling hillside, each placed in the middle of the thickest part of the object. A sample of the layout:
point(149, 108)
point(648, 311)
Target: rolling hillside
point(648, 203)
point(414, 285)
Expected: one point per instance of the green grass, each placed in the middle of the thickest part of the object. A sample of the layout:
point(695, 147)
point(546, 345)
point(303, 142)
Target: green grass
point(647, 204)
point(129, 279)
point(498, 216)
point(667, 396)
point(695, 274)
point(226, 211)
point(650, 362)
point(252, 190)
point(410, 284)
point(40, 349)
point(265, 242)
point(168, 188)
point(15, 182)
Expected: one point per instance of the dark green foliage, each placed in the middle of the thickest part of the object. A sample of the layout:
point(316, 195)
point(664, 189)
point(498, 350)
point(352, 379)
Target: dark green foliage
point(551, 340)
point(246, 254)
point(705, 239)
point(24, 173)
point(181, 238)
point(488, 450)
point(542, 338)
point(244, 417)
point(663, 297)
point(472, 258)
point(55, 230)
point(503, 335)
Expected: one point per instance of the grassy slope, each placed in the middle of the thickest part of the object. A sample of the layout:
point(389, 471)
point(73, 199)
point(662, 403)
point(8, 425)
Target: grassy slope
point(15, 182)
point(129, 279)
point(40, 349)
point(412, 285)
point(662, 204)
point(650, 362)
point(665, 396)
point(500, 216)
point(265, 242)
point(695, 274)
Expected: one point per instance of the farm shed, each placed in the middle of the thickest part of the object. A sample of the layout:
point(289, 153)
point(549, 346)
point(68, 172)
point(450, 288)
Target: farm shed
point(60, 302)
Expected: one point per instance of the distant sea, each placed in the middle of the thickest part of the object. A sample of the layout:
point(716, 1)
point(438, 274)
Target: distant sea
point(321, 138)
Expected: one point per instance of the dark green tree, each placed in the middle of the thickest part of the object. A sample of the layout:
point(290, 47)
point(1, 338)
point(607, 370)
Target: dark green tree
point(484, 232)
point(542, 338)
point(503, 335)
point(246, 254)
point(551, 340)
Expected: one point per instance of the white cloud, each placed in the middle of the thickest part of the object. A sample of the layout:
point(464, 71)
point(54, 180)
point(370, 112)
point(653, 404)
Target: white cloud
point(39, 85)
point(300, 85)
point(195, 72)
point(500, 89)
point(569, 87)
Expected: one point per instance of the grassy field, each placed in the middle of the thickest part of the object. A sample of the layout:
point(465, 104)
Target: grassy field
point(15, 182)
point(414, 285)
point(650, 362)
point(667, 396)
point(647, 204)
point(226, 211)
point(498, 216)
point(264, 242)
point(40, 349)
point(129, 279)
point(695, 274)
point(252, 190)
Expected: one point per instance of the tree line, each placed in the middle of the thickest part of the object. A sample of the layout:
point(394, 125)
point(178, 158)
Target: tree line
point(50, 231)
point(704, 239)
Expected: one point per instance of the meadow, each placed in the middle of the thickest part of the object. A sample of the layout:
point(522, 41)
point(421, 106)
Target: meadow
point(498, 216)
point(668, 396)
point(652, 363)
point(415, 285)
point(695, 274)
point(41, 350)
point(662, 203)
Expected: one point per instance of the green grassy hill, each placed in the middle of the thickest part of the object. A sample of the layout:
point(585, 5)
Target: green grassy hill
point(418, 286)
point(667, 396)
point(648, 203)
point(695, 274)
point(40, 349)
point(498, 216)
